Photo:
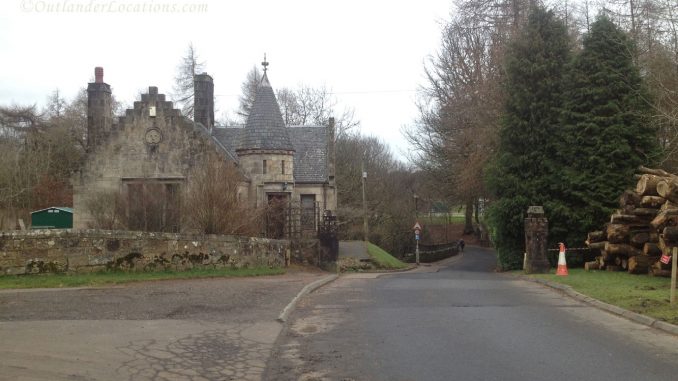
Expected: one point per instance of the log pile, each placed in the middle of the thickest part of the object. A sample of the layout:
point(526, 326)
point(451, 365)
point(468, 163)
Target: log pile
point(643, 228)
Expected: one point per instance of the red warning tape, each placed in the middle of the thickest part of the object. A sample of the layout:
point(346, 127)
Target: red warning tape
point(571, 249)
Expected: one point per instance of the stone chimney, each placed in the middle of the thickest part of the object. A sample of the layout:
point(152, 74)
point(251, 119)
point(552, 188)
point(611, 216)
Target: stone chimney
point(203, 100)
point(99, 110)
point(98, 74)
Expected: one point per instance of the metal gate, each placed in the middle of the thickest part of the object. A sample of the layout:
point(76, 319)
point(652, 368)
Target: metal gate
point(292, 220)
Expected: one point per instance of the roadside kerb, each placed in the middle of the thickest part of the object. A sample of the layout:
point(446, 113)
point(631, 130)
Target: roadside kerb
point(633, 316)
point(321, 282)
point(304, 291)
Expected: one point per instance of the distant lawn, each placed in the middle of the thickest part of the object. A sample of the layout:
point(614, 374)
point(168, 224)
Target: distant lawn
point(119, 277)
point(638, 293)
point(383, 259)
point(441, 220)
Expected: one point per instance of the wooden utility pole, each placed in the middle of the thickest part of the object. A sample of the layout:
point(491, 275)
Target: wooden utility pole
point(366, 230)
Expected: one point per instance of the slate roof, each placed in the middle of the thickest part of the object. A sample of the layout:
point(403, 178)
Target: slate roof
point(309, 144)
point(265, 128)
point(228, 139)
point(310, 158)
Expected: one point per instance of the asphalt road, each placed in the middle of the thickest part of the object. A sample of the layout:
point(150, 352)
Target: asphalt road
point(462, 322)
point(194, 330)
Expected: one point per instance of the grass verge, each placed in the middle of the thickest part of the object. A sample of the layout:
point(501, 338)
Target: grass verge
point(119, 277)
point(638, 293)
point(441, 220)
point(383, 259)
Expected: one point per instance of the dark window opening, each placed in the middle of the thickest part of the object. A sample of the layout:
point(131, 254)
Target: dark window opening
point(153, 206)
point(308, 211)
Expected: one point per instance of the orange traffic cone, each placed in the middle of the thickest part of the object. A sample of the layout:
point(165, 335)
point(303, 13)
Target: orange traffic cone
point(562, 265)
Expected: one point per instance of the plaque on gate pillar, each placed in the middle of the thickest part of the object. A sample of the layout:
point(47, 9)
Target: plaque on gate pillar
point(536, 238)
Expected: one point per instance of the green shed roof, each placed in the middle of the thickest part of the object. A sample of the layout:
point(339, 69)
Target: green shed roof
point(62, 208)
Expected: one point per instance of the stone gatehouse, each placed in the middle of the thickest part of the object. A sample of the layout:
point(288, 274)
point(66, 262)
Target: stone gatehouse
point(147, 155)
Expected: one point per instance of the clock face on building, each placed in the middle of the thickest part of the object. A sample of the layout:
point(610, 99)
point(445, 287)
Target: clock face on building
point(153, 136)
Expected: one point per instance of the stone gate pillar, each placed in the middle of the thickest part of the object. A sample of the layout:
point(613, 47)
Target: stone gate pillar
point(536, 239)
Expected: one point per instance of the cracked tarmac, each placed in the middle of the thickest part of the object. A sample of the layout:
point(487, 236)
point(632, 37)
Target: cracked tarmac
point(207, 329)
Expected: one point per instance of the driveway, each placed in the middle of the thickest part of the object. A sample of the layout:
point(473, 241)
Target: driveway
point(207, 329)
point(459, 320)
point(353, 249)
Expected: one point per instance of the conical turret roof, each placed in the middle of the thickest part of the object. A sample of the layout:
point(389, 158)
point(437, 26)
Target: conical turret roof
point(265, 128)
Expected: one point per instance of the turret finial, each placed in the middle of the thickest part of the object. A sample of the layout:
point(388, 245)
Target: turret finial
point(265, 64)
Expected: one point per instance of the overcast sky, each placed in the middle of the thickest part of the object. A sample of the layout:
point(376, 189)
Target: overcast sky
point(370, 53)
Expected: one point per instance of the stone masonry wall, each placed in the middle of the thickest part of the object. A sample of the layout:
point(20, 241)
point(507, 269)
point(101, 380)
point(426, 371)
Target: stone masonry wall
point(125, 153)
point(69, 250)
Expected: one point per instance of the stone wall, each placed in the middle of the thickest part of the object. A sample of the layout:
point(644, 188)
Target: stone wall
point(69, 250)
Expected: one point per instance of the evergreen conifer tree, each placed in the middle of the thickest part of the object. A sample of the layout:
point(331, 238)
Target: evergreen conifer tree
point(608, 133)
point(525, 166)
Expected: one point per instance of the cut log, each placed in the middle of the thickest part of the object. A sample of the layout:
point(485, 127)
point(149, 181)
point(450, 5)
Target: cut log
point(629, 219)
point(606, 257)
point(659, 272)
point(651, 249)
point(621, 249)
point(601, 261)
point(668, 189)
point(668, 205)
point(612, 268)
point(670, 234)
point(627, 209)
point(617, 233)
point(654, 237)
point(662, 218)
point(597, 245)
point(640, 264)
point(639, 239)
point(654, 202)
point(662, 245)
point(629, 197)
point(622, 262)
point(596, 236)
point(593, 265)
point(652, 171)
point(647, 185)
point(645, 212)
point(618, 261)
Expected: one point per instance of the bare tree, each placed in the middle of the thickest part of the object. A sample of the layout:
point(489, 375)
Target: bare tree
point(248, 90)
point(108, 210)
point(289, 106)
point(211, 203)
point(38, 153)
point(16, 120)
point(184, 81)
point(56, 104)
point(461, 103)
point(390, 187)
point(308, 105)
point(302, 106)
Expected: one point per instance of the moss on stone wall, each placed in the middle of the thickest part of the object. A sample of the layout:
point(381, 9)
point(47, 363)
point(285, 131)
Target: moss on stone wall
point(68, 250)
